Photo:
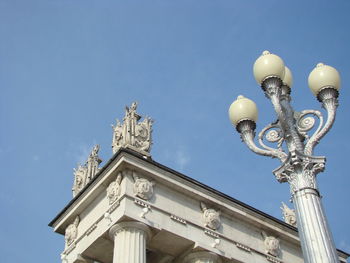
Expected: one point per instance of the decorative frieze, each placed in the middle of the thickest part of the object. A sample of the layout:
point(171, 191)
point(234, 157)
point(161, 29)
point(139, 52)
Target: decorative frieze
point(140, 203)
point(178, 219)
point(211, 217)
point(91, 229)
point(273, 259)
point(211, 233)
point(241, 246)
point(113, 207)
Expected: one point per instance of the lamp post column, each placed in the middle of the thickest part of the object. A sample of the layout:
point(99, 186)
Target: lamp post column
point(129, 242)
point(315, 236)
point(295, 140)
point(317, 242)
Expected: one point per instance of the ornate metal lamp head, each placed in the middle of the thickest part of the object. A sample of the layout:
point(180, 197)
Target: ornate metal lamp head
point(299, 166)
point(324, 77)
point(268, 65)
point(243, 109)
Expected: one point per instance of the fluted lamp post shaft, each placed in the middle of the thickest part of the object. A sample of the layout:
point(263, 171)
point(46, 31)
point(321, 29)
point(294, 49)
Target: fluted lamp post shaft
point(294, 147)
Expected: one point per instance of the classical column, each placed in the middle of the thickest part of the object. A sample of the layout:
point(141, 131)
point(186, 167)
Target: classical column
point(202, 257)
point(129, 242)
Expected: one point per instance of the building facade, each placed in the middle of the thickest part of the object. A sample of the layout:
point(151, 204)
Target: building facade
point(135, 210)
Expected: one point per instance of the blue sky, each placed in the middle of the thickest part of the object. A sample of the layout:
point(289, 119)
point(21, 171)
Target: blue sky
point(68, 68)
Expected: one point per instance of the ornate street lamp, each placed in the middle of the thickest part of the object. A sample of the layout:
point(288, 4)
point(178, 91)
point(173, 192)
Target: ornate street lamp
point(294, 147)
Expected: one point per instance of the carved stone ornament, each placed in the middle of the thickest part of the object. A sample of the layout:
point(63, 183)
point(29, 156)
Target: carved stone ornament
point(113, 189)
point(272, 245)
point(71, 232)
point(85, 173)
point(132, 132)
point(289, 215)
point(143, 188)
point(79, 178)
point(211, 217)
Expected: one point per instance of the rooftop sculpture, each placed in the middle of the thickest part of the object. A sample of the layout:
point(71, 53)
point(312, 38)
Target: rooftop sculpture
point(132, 133)
point(289, 215)
point(84, 173)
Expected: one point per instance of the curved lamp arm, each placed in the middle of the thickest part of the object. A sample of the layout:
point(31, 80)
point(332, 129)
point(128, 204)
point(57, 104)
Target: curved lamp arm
point(246, 129)
point(329, 99)
point(273, 90)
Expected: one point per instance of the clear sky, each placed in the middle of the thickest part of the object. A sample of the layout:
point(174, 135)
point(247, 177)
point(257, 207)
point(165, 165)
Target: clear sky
point(68, 68)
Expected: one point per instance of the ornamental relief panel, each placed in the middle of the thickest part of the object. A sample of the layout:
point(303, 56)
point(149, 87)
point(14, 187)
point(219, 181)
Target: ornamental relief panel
point(211, 217)
point(143, 188)
point(272, 245)
point(71, 232)
point(114, 189)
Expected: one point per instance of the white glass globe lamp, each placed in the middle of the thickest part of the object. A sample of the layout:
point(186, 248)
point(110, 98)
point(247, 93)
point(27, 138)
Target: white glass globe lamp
point(268, 65)
point(323, 76)
point(243, 109)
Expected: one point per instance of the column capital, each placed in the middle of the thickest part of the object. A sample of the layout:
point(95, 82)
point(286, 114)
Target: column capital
point(128, 225)
point(202, 257)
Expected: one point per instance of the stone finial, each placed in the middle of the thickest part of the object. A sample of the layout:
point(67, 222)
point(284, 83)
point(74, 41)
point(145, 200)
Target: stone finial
point(211, 217)
point(132, 133)
point(289, 215)
point(84, 173)
point(71, 232)
point(272, 245)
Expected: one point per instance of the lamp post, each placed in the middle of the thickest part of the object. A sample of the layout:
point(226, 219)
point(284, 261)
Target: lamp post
point(293, 145)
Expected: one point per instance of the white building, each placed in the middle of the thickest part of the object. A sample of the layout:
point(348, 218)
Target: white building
point(135, 210)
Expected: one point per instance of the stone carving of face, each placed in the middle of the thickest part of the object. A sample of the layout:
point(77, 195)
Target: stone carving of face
point(143, 188)
point(79, 179)
point(211, 219)
point(272, 246)
point(291, 219)
point(71, 232)
point(113, 191)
